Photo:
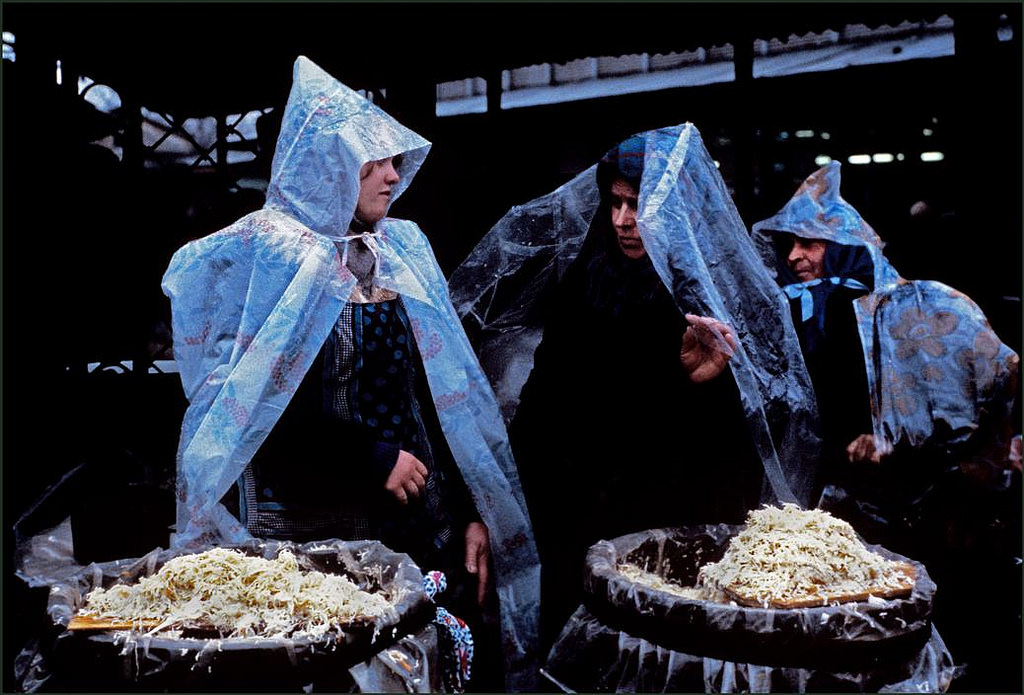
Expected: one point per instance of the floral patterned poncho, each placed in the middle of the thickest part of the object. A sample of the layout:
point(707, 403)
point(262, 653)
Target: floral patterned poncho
point(937, 374)
point(253, 303)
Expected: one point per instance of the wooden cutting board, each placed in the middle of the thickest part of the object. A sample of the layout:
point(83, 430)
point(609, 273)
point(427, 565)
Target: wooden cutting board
point(903, 589)
point(87, 622)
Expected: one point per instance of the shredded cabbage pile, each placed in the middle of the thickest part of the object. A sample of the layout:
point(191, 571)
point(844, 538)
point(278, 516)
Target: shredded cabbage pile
point(240, 596)
point(790, 554)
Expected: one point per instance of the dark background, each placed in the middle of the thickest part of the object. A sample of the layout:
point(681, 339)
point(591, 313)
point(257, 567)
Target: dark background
point(86, 238)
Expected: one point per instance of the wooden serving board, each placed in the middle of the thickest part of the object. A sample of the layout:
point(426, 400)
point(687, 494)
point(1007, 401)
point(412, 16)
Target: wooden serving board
point(903, 589)
point(87, 622)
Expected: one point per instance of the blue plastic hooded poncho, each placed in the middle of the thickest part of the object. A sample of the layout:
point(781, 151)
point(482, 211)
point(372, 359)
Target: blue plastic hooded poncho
point(253, 303)
point(937, 374)
point(702, 253)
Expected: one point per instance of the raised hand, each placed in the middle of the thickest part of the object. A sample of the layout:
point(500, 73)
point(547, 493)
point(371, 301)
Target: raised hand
point(708, 345)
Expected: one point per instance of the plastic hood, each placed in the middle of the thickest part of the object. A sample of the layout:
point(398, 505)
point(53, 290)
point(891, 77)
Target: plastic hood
point(328, 132)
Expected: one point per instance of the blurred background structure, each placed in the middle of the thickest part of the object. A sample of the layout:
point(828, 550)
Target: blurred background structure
point(129, 129)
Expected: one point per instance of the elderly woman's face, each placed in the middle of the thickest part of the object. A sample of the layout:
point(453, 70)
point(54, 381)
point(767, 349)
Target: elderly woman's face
point(624, 202)
point(807, 259)
point(375, 182)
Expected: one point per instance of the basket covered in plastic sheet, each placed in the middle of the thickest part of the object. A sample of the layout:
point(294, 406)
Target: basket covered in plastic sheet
point(133, 660)
point(630, 636)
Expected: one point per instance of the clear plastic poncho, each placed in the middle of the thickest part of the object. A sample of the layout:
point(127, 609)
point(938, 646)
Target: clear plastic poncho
point(702, 252)
point(937, 373)
point(253, 303)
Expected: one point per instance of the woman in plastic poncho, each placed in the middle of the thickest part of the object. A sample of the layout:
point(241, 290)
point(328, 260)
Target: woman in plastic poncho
point(618, 422)
point(913, 387)
point(329, 377)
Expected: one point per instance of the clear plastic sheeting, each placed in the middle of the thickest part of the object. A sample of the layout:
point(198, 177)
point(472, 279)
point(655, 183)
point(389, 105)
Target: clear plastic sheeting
point(629, 636)
point(403, 642)
point(46, 558)
point(411, 665)
point(499, 289)
point(593, 657)
point(702, 252)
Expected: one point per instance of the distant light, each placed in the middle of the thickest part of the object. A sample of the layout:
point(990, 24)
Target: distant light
point(882, 158)
point(59, 74)
point(935, 119)
point(784, 135)
point(805, 133)
point(900, 157)
point(1004, 32)
point(859, 159)
point(927, 132)
point(932, 156)
point(825, 135)
point(8, 37)
point(822, 159)
point(718, 165)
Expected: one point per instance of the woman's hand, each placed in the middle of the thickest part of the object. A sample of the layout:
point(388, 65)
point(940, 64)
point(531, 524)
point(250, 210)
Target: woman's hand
point(478, 555)
point(865, 449)
point(408, 477)
point(708, 345)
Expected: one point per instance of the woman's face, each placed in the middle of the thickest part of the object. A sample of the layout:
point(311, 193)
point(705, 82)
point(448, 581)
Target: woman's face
point(624, 202)
point(807, 259)
point(375, 182)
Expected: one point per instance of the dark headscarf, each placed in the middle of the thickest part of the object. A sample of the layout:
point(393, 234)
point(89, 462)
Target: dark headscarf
point(611, 283)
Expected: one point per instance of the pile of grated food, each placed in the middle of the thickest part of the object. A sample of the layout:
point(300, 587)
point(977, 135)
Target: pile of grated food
point(240, 596)
point(655, 581)
point(786, 555)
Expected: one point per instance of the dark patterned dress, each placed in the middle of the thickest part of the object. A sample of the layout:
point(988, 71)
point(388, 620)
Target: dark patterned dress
point(321, 472)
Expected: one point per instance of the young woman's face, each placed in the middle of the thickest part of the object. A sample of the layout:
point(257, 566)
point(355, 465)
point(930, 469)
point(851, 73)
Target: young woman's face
point(807, 259)
point(375, 182)
point(624, 202)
